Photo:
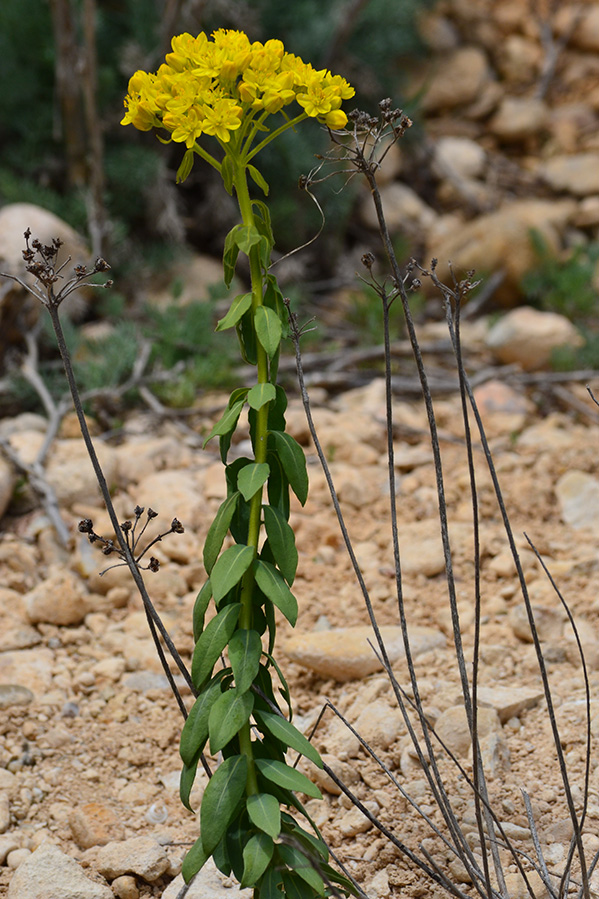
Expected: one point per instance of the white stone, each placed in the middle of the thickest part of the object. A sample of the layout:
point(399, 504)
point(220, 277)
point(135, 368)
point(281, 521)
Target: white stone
point(60, 599)
point(577, 493)
point(404, 210)
point(457, 81)
point(139, 855)
point(518, 118)
point(528, 337)
point(209, 883)
point(577, 173)
point(50, 874)
point(70, 472)
point(461, 156)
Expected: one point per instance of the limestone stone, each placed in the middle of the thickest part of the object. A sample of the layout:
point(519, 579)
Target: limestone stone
point(421, 548)
point(548, 622)
point(379, 724)
point(8, 843)
point(30, 668)
point(353, 822)
point(458, 81)
point(528, 337)
point(587, 215)
point(577, 493)
point(208, 884)
point(14, 694)
point(518, 118)
point(138, 855)
point(344, 654)
point(404, 210)
point(577, 173)
point(16, 858)
point(452, 727)
point(586, 32)
point(60, 599)
point(70, 472)
point(459, 155)
point(345, 771)
point(195, 279)
point(4, 812)
point(519, 59)
point(509, 702)
point(125, 887)
point(500, 241)
point(7, 484)
point(503, 409)
point(50, 874)
point(173, 494)
point(94, 824)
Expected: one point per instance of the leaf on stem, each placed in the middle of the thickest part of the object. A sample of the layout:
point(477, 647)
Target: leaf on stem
point(227, 422)
point(238, 307)
point(257, 854)
point(273, 585)
point(289, 735)
point(195, 729)
point(252, 478)
point(186, 166)
point(268, 329)
point(230, 568)
point(265, 814)
point(194, 861)
point(258, 179)
point(289, 778)
point(218, 530)
point(227, 716)
point(221, 796)
point(260, 394)
point(199, 609)
point(245, 651)
point(246, 236)
point(212, 642)
point(282, 542)
point(293, 461)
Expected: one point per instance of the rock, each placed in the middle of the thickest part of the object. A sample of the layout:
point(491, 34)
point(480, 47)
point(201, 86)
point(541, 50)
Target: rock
point(50, 874)
point(586, 33)
point(548, 622)
point(519, 118)
point(519, 59)
point(421, 549)
point(459, 80)
point(345, 771)
point(139, 855)
point(71, 474)
point(16, 858)
point(125, 887)
point(509, 702)
point(173, 494)
point(7, 484)
point(452, 728)
point(142, 457)
point(460, 156)
point(344, 654)
point(587, 215)
point(209, 883)
point(578, 496)
point(194, 280)
point(94, 824)
point(503, 409)
point(60, 599)
point(500, 241)
point(404, 210)
point(352, 822)
point(528, 337)
point(30, 668)
point(8, 843)
point(14, 694)
point(4, 812)
point(379, 725)
point(577, 173)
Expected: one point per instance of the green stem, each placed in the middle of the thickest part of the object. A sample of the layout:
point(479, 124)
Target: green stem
point(260, 448)
point(279, 130)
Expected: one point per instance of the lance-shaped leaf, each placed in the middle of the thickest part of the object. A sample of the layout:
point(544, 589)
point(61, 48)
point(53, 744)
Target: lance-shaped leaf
point(246, 236)
point(229, 569)
point(269, 885)
point(238, 307)
point(289, 735)
point(258, 179)
point(289, 778)
point(265, 813)
point(199, 609)
point(251, 478)
point(194, 861)
point(218, 530)
point(260, 394)
point(268, 328)
point(212, 642)
point(227, 716)
point(230, 253)
point(195, 729)
point(223, 791)
point(273, 585)
point(245, 650)
point(257, 854)
point(227, 422)
point(293, 461)
point(301, 866)
point(282, 542)
point(188, 776)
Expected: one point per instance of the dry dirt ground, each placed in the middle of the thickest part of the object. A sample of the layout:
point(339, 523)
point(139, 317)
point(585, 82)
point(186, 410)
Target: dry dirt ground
point(103, 728)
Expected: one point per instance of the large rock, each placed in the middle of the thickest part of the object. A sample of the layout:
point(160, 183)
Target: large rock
point(139, 855)
point(345, 654)
point(518, 118)
point(71, 474)
point(577, 173)
point(460, 157)
point(60, 599)
point(528, 337)
point(208, 884)
point(458, 80)
point(577, 493)
point(50, 874)
point(500, 241)
point(404, 210)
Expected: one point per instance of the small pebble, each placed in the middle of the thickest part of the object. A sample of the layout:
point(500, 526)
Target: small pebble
point(16, 857)
point(125, 887)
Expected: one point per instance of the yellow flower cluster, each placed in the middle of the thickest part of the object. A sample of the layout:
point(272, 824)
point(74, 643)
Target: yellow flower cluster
point(214, 86)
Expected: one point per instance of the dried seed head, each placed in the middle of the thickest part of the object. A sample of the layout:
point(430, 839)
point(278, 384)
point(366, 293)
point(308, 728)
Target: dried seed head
point(139, 511)
point(177, 527)
point(368, 260)
point(154, 564)
point(86, 526)
point(126, 526)
point(152, 513)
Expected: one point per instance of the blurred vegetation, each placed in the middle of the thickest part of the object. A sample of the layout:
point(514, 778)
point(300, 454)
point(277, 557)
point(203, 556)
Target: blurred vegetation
point(149, 219)
point(568, 286)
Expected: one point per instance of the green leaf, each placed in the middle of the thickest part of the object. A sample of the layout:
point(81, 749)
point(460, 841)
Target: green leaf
point(288, 778)
point(258, 179)
point(282, 542)
point(284, 731)
point(238, 307)
point(223, 791)
point(195, 729)
point(265, 813)
point(194, 861)
point(227, 173)
point(278, 485)
point(295, 887)
point(188, 775)
point(230, 254)
point(252, 478)
point(229, 568)
point(302, 867)
point(256, 857)
point(260, 394)
point(227, 422)
point(199, 609)
point(246, 236)
point(218, 530)
point(186, 166)
point(269, 885)
point(293, 461)
point(227, 716)
point(268, 329)
point(273, 585)
point(245, 650)
point(212, 642)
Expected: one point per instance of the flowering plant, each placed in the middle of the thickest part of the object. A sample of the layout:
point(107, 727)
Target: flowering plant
point(227, 89)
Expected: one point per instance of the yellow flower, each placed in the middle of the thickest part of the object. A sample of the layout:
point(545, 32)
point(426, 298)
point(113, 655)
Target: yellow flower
point(221, 118)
